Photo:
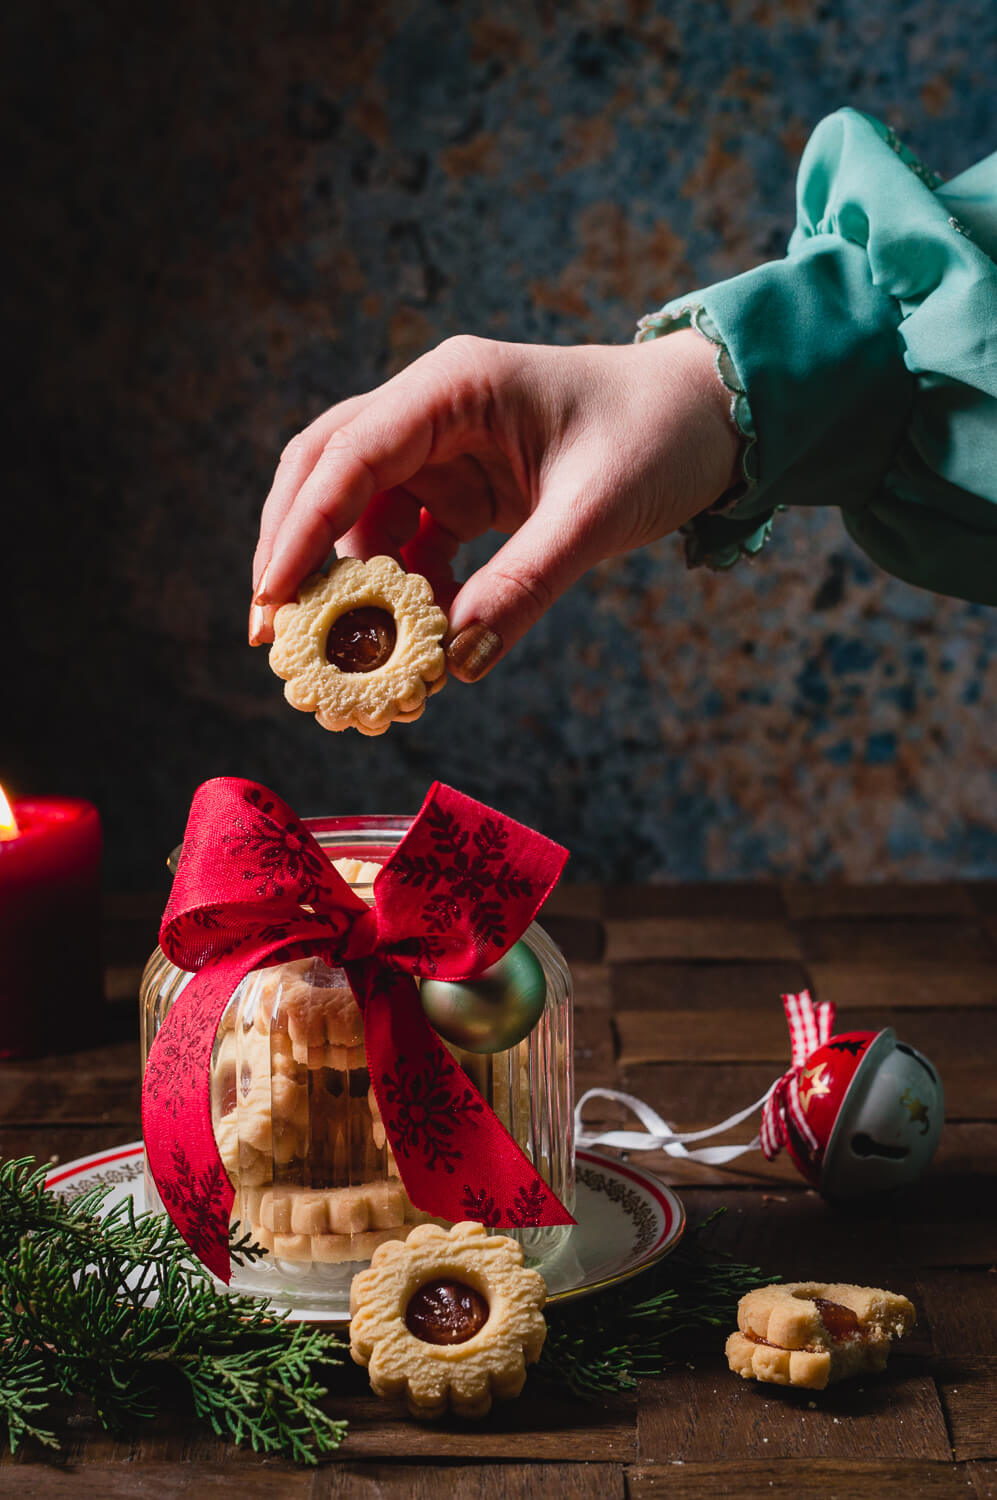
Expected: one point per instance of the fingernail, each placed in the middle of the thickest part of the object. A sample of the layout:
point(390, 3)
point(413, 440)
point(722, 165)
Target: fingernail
point(473, 651)
point(260, 597)
point(260, 620)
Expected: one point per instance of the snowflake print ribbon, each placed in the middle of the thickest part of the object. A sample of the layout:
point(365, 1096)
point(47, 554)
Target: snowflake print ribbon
point(253, 888)
point(810, 1027)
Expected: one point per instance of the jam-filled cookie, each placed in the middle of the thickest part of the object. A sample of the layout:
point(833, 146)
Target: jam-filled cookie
point(812, 1333)
point(362, 647)
point(449, 1318)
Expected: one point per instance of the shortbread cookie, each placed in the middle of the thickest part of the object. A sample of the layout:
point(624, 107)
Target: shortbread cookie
point(333, 1224)
point(812, 1333)
point(328, 1249)
point(359, 873)
point(362, 647)
point(259, 1116)
point(310, 1003)
point(449, 1318)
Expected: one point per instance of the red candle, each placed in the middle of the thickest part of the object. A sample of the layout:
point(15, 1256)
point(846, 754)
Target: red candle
point(51, 981)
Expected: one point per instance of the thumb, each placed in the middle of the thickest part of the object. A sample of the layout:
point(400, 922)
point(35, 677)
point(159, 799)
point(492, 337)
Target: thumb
point(507, 596)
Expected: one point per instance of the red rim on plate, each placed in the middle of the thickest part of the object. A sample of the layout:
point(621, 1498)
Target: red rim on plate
point(667, 1202)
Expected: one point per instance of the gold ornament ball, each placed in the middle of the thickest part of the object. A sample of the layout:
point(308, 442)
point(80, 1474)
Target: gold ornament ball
point(494, 1010)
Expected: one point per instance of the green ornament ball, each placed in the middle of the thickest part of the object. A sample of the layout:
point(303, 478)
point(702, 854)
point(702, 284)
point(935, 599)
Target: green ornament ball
point(494, 1010)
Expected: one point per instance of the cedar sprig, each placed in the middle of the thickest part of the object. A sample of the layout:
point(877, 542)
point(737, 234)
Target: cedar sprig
point(602, 1345)
point(111, 1304)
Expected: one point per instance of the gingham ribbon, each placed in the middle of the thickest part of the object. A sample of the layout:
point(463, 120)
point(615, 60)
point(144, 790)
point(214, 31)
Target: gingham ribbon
point(809, 1028)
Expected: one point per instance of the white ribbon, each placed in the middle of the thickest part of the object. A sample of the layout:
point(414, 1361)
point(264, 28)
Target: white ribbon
point(658, 1135)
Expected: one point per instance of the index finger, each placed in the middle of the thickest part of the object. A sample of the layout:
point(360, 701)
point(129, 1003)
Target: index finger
point(428, 414)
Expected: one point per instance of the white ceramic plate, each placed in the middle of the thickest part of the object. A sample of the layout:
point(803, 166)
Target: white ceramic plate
point(627, 1219)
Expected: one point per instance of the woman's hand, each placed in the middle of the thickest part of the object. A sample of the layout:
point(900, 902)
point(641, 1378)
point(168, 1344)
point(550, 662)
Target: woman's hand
point(577, 453)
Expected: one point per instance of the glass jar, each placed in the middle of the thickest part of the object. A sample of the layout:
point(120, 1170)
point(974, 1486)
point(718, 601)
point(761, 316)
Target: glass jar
point(296, 1120)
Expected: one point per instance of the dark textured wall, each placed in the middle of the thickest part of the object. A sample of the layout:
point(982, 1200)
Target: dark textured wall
point(226, 217)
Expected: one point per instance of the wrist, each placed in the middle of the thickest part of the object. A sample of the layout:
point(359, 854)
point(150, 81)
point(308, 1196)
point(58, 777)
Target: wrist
point(720, 440)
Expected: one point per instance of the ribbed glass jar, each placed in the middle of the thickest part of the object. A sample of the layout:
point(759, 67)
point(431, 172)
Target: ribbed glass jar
point(296, 1120)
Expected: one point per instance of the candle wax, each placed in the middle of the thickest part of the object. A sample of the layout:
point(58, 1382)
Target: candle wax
point(50, 967)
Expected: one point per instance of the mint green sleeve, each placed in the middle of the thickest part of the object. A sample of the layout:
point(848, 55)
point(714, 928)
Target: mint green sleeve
point(863, 367)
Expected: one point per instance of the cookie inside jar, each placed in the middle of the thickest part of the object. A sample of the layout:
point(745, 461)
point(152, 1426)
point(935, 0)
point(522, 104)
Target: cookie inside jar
point(297, 1127)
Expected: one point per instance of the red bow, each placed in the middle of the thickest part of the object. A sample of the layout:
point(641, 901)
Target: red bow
point(809, 1028)
point(253, 888)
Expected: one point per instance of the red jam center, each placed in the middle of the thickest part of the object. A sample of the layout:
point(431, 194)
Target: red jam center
point(840, 1322)
point(361, 640)
point(446, 1312)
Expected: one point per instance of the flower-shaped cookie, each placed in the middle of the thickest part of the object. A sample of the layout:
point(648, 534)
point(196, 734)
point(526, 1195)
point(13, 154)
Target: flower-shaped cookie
point(449, 1317)
point(362, 646)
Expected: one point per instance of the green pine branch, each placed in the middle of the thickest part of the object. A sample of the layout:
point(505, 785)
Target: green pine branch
point(111, 1305)
point(601, 1346)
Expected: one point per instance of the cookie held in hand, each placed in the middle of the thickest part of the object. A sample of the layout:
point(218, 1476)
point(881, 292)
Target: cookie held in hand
point(449, 1318)
point(812, 1333)
point(362, 647)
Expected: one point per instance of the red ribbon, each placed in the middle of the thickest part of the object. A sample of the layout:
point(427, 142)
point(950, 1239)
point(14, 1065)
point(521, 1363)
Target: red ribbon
point(810, 1027)
point(253, 888)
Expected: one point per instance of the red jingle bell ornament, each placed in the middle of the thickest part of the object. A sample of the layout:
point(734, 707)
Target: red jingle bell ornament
point(859, 1113)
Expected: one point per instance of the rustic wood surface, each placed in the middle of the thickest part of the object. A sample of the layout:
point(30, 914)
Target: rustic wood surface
point(677, 1000)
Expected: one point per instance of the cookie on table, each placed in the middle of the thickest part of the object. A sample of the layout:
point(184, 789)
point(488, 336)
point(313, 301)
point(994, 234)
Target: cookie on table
point(363, 646)
point(813, 1333)
point(449, 1318)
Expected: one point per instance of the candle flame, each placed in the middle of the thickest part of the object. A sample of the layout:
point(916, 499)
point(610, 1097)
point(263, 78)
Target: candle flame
point(8, 823)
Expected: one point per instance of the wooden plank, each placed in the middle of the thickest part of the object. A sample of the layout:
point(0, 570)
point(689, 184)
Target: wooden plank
point(947, 1220)
point(542, 1425)
point(691, 938)
point(984, 895)
point(656, 984)
point(983, 1478)
point(960, 1307)
point(681, 1094)
point(687, 1036)
point(791, 1232)
point(99, 1085)
point(754, 900)
point(937, 983)
point(573, 899)
point(337, 1480)
point(930, 899)
point(968, 1386)
point(595, 1065)
point(579, 938)
point(895, 941)
point(736, 1035)
point(713, 1091)
point(797, 1236)
point(705, 1413)
point(966, 1151)
point(969, 1151)
point(591, 986)
point(789, 1480)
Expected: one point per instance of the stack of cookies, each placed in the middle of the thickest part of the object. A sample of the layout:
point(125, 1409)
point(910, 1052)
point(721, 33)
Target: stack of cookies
point(296, 1120)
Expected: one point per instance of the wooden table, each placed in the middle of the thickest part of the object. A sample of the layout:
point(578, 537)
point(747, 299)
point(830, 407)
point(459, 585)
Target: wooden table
point(678, 1002)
